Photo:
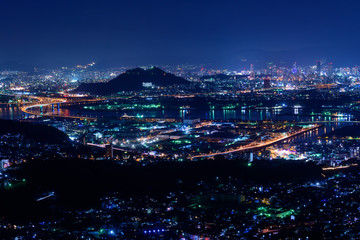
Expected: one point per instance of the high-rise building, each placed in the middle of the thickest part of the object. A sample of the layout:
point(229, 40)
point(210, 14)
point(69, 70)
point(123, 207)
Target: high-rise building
point(330, 69)
point(294, 70)
point(252, 72)
point(109, 151)
point(267, 83)
point(318, 67)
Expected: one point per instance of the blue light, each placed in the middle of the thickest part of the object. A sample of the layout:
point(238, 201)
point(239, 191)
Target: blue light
point(111, 232)
point(145, 232)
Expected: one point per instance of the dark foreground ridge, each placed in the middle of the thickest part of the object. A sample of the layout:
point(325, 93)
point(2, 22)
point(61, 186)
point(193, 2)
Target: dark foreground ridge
point(81, 183)
point(36, 132)
point(132, 80)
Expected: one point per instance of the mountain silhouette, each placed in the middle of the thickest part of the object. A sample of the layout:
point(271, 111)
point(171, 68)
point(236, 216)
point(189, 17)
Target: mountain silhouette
point(132, 80)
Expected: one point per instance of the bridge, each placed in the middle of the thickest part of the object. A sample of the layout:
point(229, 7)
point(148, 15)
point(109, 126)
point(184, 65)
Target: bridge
point(43, 101)
point(46, 101)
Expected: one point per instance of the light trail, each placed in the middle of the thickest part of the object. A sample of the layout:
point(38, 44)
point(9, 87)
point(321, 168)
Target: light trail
point(47, 196)
point(338, 167)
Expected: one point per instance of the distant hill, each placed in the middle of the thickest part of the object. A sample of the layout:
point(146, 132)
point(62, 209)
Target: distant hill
point(36, 132)
point(132, 80)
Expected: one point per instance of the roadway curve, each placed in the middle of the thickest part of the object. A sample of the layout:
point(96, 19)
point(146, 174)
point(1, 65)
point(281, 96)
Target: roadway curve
point(49, 101)
point(42, 101)
point(264, 144)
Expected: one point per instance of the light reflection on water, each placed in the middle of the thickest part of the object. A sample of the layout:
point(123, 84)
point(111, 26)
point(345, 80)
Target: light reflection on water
point(277, 114)
point(313, 134)
point(11, 113)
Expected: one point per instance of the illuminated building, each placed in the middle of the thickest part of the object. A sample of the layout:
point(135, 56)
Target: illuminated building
point(252, 72)
point(330, 69)
point(267, 83)
point(4, 163)
point(294, 70)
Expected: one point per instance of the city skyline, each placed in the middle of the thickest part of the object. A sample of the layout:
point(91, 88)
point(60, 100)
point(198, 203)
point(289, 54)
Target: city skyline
point(180, 120)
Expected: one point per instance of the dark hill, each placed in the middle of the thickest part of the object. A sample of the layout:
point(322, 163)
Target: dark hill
point(132, 80)
point(36, 132)
point(80, 183)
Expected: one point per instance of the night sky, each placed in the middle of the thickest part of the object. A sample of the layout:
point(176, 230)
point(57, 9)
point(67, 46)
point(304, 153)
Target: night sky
point(224, 33)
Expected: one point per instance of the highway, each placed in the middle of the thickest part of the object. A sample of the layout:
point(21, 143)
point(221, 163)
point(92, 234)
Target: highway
point(243, 148)
point(256, 145)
